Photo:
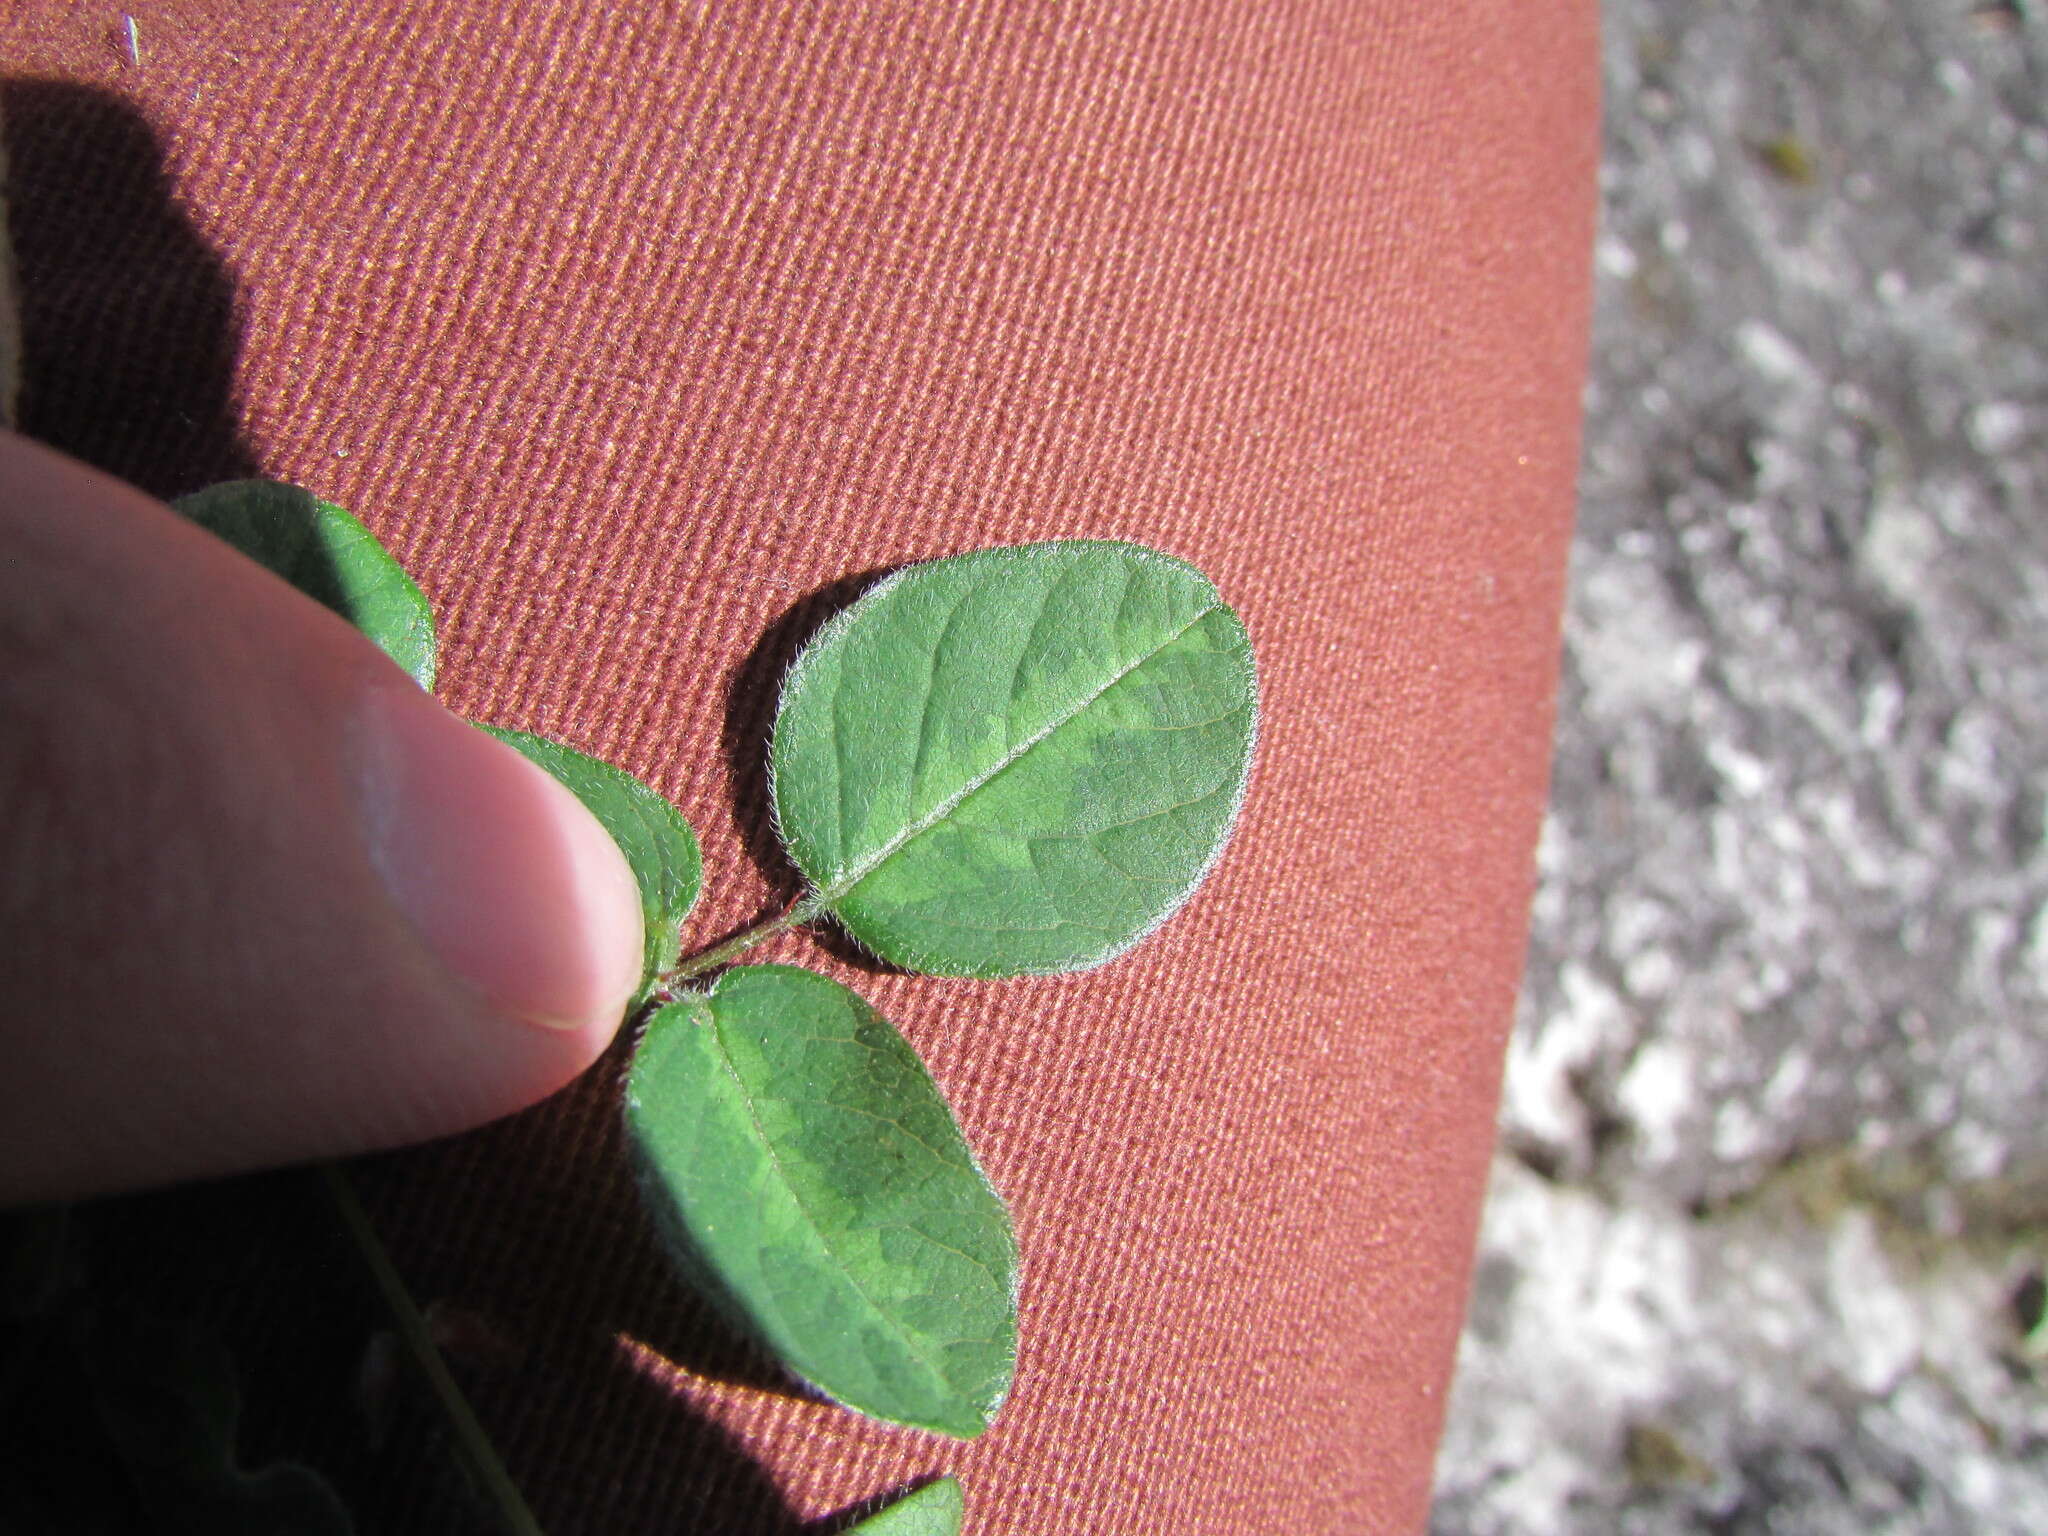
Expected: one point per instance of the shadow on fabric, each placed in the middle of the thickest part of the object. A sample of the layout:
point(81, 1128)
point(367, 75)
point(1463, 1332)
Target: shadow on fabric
point(127, 317)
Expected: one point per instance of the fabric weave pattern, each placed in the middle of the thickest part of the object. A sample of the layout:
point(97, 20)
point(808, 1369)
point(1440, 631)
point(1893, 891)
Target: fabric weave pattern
point(643, 335)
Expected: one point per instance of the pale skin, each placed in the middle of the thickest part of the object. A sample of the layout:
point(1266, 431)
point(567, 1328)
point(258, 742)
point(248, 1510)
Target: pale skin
point(261, 899)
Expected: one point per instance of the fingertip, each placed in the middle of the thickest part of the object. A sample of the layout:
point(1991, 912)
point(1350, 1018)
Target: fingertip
point(512, 884)
point(266, 899)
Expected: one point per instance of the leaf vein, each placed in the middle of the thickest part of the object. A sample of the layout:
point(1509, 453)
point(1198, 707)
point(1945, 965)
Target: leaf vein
point(979, 1263)
point(931, 688)
point(847, 879)
point(854, 1109)
point(910, 1340)
point(1024, 652)
point(1117, 826)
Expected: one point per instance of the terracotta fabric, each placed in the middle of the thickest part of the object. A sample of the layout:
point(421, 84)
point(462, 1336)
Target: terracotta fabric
point(644, 334)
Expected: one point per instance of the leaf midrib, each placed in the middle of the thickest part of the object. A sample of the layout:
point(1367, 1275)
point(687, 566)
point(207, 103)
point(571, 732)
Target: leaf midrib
point(853, 876)
point(767, 1145)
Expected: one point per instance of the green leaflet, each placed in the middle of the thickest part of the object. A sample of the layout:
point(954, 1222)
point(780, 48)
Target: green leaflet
point(795, 1149)
point(934, 1510)
point(1016, 761)
point(169, 1402)
point(656, 840)
point(327, 554)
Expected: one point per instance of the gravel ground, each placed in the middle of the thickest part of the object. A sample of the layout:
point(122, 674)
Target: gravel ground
point(1765, 1244)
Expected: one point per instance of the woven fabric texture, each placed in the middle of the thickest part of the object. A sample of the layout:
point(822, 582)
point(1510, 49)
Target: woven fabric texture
point(644, 335)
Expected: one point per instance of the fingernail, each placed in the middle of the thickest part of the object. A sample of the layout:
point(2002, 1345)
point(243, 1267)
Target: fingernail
point(513, 885)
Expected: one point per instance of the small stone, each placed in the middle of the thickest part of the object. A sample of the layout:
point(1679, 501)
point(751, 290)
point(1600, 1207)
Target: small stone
point(1997, 426)
point(1656, 1456)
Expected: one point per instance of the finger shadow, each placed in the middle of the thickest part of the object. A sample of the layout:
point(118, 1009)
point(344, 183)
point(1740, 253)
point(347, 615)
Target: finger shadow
point(571, 1313)
point(593, 1445)
point(568, 1271)
point(553, 1267)
point(569, 1268)
point(752, 696)
point(128, 333)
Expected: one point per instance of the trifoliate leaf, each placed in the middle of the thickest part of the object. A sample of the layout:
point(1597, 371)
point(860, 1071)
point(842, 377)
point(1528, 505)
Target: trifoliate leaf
point(657, 841)
point(797, 1154)
point(1019, 760)
point(328, 555)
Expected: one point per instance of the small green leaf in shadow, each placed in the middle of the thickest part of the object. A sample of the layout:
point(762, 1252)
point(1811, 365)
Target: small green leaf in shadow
point(1016, 761)
point(934, 1510)
point(328, 555)
point(797, 1155)
point(169, 1402)
point(657, 841)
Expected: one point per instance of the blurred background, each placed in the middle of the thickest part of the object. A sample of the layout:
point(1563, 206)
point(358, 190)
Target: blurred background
point(1764, 1248)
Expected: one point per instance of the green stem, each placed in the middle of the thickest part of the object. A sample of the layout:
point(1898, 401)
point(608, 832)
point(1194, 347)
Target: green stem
point(719, 954)
point(471, 1442)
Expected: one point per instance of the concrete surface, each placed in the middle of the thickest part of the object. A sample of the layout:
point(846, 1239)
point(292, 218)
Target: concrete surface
point(1765, 1243)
